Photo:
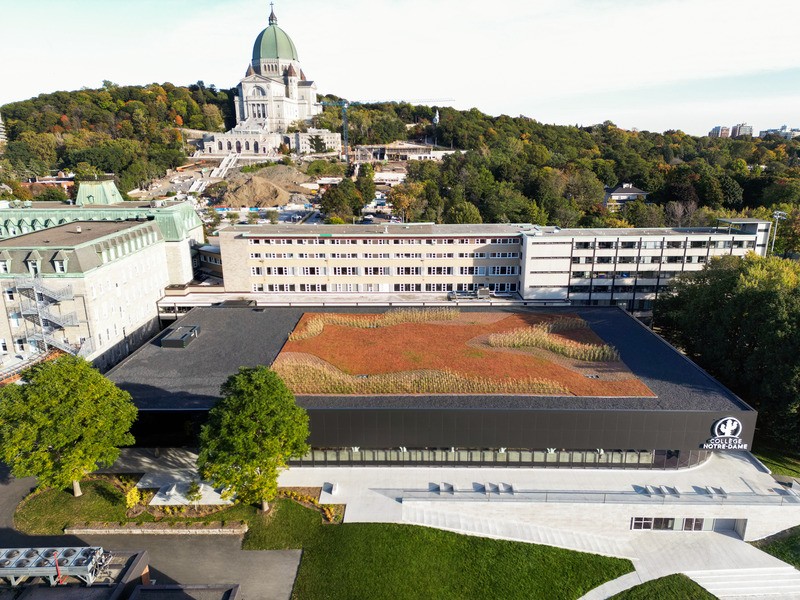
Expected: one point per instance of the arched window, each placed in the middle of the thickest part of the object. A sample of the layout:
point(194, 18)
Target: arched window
point(247, 146)
point(219, 144)
point(238, 146)
point(229, 146)
point(255, 147)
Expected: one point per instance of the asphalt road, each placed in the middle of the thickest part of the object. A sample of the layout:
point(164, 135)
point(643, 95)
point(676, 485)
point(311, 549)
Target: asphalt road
point(263, 575)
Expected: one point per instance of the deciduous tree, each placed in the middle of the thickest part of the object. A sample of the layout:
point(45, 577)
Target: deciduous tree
point(254, 429)
point(64, 422)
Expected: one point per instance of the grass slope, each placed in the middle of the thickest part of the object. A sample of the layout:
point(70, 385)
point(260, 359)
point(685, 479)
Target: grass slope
point(672, 587)
point(784, 545)
point(780, 463)
point(367, 560)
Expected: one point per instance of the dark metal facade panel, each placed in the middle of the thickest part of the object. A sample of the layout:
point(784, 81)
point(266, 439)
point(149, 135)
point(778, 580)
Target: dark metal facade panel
point(576, 430)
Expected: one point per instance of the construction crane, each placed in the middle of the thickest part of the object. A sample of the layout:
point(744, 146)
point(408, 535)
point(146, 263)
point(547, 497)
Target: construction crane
point(345, 104)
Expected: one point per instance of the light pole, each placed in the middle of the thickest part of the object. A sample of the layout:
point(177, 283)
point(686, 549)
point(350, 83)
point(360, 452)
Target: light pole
point(779, 216)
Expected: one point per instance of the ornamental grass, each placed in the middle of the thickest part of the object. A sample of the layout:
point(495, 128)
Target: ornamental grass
point(305, 377)
point(314, 326)
point(539, 336)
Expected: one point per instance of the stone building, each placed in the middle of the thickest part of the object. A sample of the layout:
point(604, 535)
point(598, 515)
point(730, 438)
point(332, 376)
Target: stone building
point(88, 288)
point(273, 95)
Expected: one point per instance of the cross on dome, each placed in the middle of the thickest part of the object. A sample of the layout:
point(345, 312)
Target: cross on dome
point(273, 20)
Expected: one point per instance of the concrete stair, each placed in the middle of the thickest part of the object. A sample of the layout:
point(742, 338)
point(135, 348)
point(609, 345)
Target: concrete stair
point(520, 531)
point(771, 582)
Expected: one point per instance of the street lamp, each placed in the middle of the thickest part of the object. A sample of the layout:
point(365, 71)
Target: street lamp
point(778, 215)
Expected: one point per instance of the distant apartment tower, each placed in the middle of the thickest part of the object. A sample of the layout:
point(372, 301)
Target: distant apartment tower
point(741, 129)
point(720, 132)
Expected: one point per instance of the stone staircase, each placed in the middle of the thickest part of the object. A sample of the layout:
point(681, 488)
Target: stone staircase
point(507, 529)
point(774, 583)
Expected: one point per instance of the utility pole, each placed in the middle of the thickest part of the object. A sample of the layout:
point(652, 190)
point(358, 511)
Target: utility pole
point(779, 216)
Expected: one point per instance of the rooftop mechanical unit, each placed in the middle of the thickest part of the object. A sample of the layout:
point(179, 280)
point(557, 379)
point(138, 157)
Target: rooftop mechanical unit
point(180, 337)
point(52, 564)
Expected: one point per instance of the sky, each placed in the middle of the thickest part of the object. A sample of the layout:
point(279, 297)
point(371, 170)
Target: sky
point(647, 64)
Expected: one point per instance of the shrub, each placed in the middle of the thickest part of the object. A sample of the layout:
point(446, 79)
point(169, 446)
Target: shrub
point(538, 336)
point(314, 326)
point(306, 377)
point(132, 497)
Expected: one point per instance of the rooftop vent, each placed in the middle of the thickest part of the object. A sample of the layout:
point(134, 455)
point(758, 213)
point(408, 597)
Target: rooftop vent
point(78, 229)
point(180, 337)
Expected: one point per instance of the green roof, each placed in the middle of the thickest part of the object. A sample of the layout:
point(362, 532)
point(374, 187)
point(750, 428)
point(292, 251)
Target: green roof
point(98, 192)
point(273, 43)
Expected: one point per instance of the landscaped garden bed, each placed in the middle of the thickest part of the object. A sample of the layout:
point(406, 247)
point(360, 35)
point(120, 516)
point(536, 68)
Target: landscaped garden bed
point(444, 351)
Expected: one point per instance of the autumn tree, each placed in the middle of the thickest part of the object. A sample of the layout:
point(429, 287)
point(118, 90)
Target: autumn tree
point(251, 434)
point(65, 421)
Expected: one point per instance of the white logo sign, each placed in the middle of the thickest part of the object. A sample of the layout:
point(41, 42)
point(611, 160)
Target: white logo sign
point(727, 433)
point(728, 427)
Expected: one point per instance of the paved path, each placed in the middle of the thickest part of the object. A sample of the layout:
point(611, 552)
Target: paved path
point(263, 575)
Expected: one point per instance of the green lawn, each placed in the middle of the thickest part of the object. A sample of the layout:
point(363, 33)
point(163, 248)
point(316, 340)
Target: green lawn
point(48, 512)
point(784, 545)
point(780, 463)
point(672, 587)
point(370, 560)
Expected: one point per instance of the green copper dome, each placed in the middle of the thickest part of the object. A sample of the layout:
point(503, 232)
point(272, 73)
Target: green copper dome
point(273, 43)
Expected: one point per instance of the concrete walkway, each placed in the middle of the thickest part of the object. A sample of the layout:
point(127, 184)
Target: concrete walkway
point(722, 563)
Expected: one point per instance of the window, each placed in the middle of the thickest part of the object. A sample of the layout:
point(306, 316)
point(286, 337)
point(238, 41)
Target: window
point(693, 524)
point(440, 270)
point(584, 245)
point(313, 287)
point(311, 271)
point(255, 255)
point(33, 267)
point(438, 287)
point(472, 271)
point(696, 244)
point(503, 270)
point(407, 287)
point(19, 345)
point(258, 287)
point(408, 271)
point(641, 523)
point(3, 346)
point(674, 245)
point(10, 295)
point(256, 271)
point(3, 266)
point(376, 270)
point(629, 245)
point(605, 245)
point(345, 270)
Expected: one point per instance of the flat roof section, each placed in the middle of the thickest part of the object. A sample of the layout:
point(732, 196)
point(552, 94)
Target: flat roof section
point(174, 379)
point(186, 592)
point(69, 235)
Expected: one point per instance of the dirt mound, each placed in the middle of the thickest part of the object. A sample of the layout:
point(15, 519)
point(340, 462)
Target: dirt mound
point(271, 186)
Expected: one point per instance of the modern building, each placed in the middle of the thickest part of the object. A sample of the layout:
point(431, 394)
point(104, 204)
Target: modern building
point(670, 427)
point(399, 151)
point(784, 132)
point(618, 196)
point(627, 267)
point(719, 132)
point(2, 130)
point(88, 288)
point(741, 129)
point(273, 95)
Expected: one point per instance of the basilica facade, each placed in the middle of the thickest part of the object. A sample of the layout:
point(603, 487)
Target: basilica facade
point(273, 95)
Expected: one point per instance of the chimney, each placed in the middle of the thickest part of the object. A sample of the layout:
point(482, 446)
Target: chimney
point(78, 229)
